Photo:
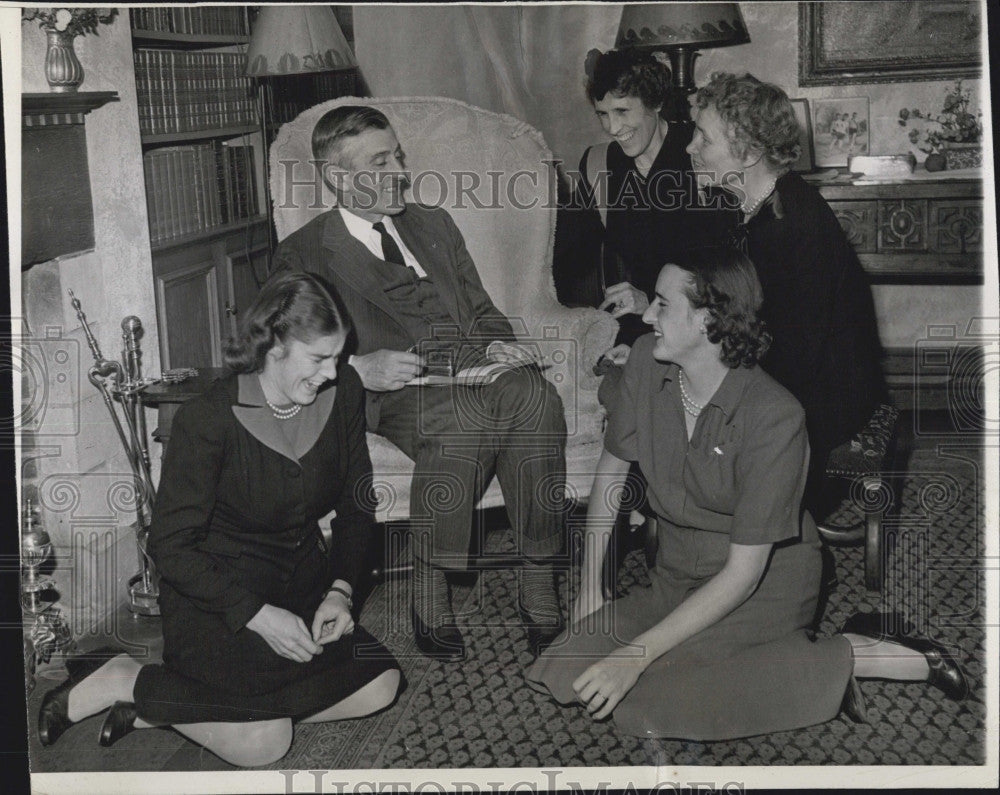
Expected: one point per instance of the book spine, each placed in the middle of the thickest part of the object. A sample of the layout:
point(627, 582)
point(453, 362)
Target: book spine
point(161, 199)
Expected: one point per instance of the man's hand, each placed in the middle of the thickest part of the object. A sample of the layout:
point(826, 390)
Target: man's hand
point(285, 633)
point(617, 355)
point(387, 371)
point(511, 353)
point(333, 619)
point(604, 684)
point(624, 299)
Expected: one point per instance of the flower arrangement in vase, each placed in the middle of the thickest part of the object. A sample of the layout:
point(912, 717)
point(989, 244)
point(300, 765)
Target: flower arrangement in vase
point(957, 141)
point(63, 70)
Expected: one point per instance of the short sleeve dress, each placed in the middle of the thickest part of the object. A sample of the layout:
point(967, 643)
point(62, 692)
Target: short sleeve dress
point(738, 480)
point(235, 526)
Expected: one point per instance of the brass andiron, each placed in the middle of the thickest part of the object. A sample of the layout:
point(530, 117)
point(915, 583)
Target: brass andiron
point(46, 629)
point(123, 381)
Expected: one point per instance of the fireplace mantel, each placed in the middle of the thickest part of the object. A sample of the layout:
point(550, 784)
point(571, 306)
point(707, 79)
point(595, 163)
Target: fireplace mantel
point(57, 212)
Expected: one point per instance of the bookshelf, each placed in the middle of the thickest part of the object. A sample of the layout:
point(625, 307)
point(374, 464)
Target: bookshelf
point(203, 162)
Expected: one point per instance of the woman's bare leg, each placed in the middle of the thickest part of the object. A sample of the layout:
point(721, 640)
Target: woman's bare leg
point(883, 659)
point(244, 744)
point(377, 694)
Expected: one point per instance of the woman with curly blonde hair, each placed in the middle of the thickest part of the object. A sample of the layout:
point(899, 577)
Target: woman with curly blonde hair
point(817, 301)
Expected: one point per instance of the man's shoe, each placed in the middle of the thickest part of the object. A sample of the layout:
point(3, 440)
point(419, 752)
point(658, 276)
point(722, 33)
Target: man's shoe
point(842, 536)
point(53, 717)
point(945, 672)
point(540, 635)
point(120, 721)
point(442, 643)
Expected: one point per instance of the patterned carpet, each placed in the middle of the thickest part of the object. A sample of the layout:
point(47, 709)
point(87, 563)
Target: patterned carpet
point(481, 714)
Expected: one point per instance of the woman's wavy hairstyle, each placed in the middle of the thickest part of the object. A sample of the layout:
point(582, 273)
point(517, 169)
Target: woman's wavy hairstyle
point(724, 281)
point(758, 116)
point(627, 73)
point(290, 304)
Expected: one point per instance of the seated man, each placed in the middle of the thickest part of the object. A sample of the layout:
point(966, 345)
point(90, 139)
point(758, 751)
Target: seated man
point(407, 280)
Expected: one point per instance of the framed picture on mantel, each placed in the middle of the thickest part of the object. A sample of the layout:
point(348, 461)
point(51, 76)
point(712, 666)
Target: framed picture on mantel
point(879, 42)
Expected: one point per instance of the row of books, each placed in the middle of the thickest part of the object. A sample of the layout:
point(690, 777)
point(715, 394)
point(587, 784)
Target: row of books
point(182, 91)
point(207, 21)
point(195, 188)
point(292, 96)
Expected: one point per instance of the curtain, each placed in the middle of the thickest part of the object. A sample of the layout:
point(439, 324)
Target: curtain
point(524, 60)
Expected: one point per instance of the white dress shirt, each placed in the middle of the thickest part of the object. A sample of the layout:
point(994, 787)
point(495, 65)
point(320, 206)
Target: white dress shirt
point(365, 232)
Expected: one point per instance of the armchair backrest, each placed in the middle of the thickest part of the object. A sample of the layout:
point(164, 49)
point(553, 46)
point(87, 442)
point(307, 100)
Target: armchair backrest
point(493, 173)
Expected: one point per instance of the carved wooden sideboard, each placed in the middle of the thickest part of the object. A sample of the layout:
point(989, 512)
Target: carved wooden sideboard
point(922, 232)
point(914, 232)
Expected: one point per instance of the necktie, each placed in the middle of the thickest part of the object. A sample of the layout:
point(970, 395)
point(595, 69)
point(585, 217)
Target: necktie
point(390, 251)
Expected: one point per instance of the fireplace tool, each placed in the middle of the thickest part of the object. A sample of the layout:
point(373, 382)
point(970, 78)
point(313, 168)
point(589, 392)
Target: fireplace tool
point(123, 382)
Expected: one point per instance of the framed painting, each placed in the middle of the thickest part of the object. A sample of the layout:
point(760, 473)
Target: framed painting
point(807, 159)
point(884, 42)
point(840, 130)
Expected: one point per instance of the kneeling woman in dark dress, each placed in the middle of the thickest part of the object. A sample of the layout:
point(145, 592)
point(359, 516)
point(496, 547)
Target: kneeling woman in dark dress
point(256, 601)
point(718, 646)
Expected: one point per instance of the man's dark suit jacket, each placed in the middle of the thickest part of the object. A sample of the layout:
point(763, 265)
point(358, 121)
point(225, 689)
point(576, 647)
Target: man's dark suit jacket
point(325, 248)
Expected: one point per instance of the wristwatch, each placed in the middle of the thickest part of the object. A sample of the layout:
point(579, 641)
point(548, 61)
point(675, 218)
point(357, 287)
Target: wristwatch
point(342, 592)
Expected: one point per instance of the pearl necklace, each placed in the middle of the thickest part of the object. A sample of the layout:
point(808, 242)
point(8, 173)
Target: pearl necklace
point(283, 414)
point(690, 406)
point(750, 208)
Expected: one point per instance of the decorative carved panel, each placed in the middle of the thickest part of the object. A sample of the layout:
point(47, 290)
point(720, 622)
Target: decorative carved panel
point(917, 231)
point(902, 225)
point(857, 219)
point(957, 227)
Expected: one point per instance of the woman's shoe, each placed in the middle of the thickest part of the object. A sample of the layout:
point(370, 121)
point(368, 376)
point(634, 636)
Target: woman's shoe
point(120, 721)
point(441, 643)
point(82, 665)
point(854, 705)
point(53, 717)
point(945, 672)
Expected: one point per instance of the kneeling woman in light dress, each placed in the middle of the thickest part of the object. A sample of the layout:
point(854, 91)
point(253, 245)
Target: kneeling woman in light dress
point(256, 601)
point(717, 647)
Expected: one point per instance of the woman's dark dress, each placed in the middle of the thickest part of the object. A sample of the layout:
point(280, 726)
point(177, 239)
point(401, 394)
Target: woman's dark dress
point(738, 480)
point(818, 307)
point(235, 527)
point(650, 221)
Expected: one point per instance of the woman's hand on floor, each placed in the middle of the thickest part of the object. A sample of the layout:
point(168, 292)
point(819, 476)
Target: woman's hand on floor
point(285, 633)
point(333, 619)
point(604, 684)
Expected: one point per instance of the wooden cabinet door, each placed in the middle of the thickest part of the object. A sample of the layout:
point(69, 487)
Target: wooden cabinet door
point(246, 272)
point(187, 306)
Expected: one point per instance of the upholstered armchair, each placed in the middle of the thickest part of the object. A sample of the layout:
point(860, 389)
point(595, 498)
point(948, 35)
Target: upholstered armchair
point(507, 215)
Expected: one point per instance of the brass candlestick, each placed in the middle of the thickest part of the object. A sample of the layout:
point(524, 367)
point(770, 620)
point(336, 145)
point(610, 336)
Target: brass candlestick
point(46, 629)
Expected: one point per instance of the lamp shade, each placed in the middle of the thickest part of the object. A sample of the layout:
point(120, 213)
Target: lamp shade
point(290, 40)
point(698, 25)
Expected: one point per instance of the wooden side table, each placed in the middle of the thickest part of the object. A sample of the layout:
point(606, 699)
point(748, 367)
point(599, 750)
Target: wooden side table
point(167, 398)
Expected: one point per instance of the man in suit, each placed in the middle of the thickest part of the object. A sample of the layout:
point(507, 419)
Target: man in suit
point(407, 282)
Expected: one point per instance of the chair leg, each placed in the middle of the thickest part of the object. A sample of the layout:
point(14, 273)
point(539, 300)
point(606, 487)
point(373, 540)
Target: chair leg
point(651, 542)
point(873, 550)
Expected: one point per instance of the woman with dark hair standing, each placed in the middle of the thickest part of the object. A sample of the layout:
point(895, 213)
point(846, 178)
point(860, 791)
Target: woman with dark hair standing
point(255, 600)
point(718, 646)
point(638, 187)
